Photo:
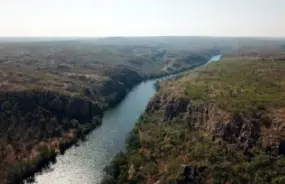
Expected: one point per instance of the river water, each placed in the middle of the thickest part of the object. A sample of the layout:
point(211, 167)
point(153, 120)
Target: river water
point(84, 164)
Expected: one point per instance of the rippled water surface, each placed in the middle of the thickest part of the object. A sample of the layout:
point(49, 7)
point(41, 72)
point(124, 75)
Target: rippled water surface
point(84, 164)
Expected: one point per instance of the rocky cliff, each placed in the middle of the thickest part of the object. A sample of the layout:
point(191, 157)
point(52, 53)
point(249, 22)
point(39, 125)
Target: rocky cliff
point(37, 125)
point(246, 129)
point(53, 121)
point(71, 104)
point(223, 123)
point(121, 80)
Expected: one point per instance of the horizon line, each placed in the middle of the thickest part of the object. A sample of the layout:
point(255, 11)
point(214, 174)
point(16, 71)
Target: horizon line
point(123, 36)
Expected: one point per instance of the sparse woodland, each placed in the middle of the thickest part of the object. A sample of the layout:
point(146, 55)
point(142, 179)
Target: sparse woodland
point(221, 123)
point(53, 93)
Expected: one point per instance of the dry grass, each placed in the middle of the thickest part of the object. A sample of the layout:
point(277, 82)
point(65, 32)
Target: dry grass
point(235, 86)
point(98, 72)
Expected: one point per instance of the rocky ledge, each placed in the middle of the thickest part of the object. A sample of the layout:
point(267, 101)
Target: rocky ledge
point(223, 123)
point(54, 121)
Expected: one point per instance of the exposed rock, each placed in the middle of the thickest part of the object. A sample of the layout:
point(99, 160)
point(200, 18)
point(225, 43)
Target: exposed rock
point(78, 107)
point(240, 130)
point(174, 107)
point(131, 171)
point(248, 155)
point(189, 174)
point(57, 103)
point(153, 105)
point(273, 137)
point(281, 147)
point(200, 115)
point(120, 82)
point(243, 129)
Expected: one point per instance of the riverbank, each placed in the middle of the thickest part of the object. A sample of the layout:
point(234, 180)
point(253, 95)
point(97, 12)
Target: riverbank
point(56, 112)
point(222, 123)
point(53, 122)
point(95, 71)
point(103, 143)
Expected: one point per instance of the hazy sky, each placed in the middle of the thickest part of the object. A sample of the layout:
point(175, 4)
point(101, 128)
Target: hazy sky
point(142, 17)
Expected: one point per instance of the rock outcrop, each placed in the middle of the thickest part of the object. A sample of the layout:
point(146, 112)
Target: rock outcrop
point(41, 123)
point(189, 174)
point(77, 107)
point(120, 82)
point(244, 129)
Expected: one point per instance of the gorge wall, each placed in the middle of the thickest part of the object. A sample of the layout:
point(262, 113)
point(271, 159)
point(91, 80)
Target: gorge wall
point(222, 123)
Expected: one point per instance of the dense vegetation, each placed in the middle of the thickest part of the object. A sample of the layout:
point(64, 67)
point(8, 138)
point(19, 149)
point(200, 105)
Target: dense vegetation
point(222, 123)
point(53, 93)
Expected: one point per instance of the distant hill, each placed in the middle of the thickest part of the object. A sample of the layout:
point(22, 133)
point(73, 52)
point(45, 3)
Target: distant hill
point(53, 91)
point(222, 123)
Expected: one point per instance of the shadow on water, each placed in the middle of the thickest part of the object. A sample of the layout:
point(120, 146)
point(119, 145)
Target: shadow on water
point(85, 163)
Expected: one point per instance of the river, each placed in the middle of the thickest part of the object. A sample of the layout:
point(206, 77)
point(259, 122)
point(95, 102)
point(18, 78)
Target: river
point(84, 164)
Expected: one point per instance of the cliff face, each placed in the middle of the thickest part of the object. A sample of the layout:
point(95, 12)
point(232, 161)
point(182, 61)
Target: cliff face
point(27, 101)
point(184, 62)
point(223, 123)
point(46, 122)
point(246, 129)
point(120, 82)
point(54, 107)
point(34, 126)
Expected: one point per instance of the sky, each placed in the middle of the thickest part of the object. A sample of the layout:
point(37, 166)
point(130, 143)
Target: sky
point(97, 18)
